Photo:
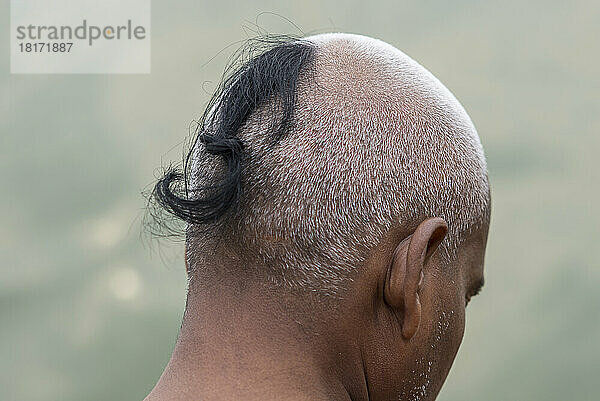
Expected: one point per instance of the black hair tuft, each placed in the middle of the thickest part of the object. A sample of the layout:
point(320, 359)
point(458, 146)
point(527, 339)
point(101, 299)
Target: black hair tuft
point(272, 76)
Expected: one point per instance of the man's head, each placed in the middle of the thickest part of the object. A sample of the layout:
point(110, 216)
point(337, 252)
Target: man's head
point(337, 167)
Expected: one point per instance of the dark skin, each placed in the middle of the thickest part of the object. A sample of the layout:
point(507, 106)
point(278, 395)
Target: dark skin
point(393, 334)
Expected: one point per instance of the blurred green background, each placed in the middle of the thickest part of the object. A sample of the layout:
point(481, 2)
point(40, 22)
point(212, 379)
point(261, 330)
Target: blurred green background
point(89, 311)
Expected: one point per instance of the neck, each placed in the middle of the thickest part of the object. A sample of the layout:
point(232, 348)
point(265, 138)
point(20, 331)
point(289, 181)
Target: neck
point(250, 342)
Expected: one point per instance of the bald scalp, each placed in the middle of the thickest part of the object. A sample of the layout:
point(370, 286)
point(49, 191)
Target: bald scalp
point(375, 141)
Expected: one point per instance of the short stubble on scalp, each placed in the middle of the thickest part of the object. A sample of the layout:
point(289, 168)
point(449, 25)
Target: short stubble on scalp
point(313, 150)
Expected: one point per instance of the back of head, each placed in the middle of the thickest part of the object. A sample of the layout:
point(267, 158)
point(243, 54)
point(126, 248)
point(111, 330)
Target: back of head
point(317, 148)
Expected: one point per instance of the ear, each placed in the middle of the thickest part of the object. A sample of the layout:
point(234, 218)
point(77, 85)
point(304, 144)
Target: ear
point(401, 289)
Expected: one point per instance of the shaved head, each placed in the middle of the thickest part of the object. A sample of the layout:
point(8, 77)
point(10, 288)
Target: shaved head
point(374, 141)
